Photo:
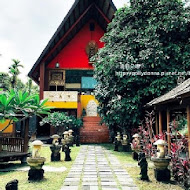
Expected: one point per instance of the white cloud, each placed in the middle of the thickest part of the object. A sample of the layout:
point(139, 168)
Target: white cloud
point(27, 26)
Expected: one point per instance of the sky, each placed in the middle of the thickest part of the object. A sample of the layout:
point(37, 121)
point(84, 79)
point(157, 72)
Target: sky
point(26, 26)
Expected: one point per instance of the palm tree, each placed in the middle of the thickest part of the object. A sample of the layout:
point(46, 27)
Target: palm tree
point(14, 71)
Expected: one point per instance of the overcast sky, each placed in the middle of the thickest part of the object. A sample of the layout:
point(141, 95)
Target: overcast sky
point(26, 26)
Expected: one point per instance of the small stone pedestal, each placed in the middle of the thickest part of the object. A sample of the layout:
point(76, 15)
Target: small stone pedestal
point(67, 151)
point(162, 175)
point(161, 172)
point(55, 155)
point(116, 145)
point(135, 156)
point(77, 140)
point(126, 148)
point(35, 174)
point(12, 185)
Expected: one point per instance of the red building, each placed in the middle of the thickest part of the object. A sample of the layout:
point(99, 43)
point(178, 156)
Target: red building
point(64, 70)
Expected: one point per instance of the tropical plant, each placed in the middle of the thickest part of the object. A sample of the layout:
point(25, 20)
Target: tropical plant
point(180, 163)
point(181, 123)
point(14, 72)
point(146, 46)
point(62, 121)
point(31, 88)
point(148, 137)
point(16, 105)
point(4, 81)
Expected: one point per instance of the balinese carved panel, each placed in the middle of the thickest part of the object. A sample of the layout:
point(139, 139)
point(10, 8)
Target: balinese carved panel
point(57, 96)
point(91, 109)
point(56, 78)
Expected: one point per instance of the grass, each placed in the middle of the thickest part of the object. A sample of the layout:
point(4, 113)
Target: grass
point(54, 180)
point(51, 181)
point(132, 168)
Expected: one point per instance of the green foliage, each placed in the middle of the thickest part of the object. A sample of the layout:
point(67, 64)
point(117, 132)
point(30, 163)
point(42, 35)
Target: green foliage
point(148, 36)
point(11, 80)
point(61, 119)
point(14, 72)
point(181, 123)
point(15, 105)
point(31, 88)
point(4, 81)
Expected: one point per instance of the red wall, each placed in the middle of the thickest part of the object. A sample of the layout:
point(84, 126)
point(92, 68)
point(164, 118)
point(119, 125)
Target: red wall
point(74, 54)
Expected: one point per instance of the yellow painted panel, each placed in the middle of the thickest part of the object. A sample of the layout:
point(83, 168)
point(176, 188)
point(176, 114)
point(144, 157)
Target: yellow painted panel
point(69, 105)
point(9, 129)
point(86, 98)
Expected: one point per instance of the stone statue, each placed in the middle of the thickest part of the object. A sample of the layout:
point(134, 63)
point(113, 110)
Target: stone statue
point(55, 151)
point(143, 165)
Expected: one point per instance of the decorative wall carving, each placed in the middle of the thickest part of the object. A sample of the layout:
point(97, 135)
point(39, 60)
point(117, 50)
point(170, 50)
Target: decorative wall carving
point(56, 78)
point(91, 109)
point(64, 96)
point(91, 49)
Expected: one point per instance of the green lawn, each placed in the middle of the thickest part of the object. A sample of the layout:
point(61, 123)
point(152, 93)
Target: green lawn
point(133, 169)
point(54, 180)
point(51, 181)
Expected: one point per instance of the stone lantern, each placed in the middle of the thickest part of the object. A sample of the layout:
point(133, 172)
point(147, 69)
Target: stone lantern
point(161, 162)
point(71, 137)
point(70, 131)
point(65, 140)
point(55, 138)
point(124, 143)
point(36, 162)
point(66, 134)
point(37, 144)
point(117, 141)
point(160, 148)
point(135, 146)
point(118, 137)
point(55, 148)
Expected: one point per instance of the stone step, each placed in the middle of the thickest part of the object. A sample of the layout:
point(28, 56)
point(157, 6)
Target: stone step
point(92, 136)
point(91, 119)
point(91, 127)
point(93, 132)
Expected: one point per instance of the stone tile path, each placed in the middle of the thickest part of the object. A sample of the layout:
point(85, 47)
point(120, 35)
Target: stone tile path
point(95, 168)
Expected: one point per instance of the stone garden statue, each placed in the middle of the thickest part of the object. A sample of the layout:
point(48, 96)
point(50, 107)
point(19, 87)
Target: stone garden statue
point(143, 165)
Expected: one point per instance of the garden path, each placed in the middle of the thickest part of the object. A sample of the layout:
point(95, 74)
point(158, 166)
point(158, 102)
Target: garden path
point(95, 168)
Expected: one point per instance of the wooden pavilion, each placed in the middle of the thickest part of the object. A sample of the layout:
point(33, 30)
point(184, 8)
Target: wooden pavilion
point(178, 99)
point(15, 146)
point(64, 71)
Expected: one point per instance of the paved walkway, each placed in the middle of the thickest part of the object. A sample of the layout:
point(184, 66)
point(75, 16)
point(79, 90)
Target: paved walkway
point(95, 168)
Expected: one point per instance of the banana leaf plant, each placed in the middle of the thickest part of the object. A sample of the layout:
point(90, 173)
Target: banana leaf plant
point(16, 105)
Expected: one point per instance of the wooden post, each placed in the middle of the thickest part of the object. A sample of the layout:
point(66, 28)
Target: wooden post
point(168, 131)
point(14, 130)
point(26, 131)
point(160, 122)
point(156, 124)
point(42, 71)
point(188, 126)
point(79, 107)
point(52, 130)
